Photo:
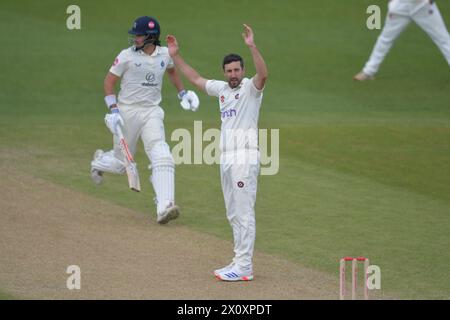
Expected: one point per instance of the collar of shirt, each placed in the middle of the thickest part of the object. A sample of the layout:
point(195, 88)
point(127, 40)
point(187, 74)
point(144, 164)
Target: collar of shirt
point(154, 53)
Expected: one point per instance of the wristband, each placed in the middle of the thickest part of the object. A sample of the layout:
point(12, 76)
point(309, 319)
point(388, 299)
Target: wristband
point(181, 94)
point(110, 100)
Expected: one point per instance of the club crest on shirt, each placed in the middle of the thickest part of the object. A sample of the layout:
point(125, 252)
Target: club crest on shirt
point(240, 184)
point(162, 64)
point(236, 96)
point(222, 99)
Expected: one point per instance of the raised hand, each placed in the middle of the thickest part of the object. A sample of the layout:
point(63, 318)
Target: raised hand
point(172, 44)
point(248, 36)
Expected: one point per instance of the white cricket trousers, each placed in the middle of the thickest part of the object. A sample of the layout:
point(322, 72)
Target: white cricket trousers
point(239, 186)
point(146, 123)
point(427, 17)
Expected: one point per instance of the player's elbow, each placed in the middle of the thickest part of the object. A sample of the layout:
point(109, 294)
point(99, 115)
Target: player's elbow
point(264, 73)
point(262, 77)
point(196, 81)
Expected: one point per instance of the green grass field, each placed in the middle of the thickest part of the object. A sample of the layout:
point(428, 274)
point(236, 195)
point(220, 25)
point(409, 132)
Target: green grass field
point(364, 167)
point(5, 296)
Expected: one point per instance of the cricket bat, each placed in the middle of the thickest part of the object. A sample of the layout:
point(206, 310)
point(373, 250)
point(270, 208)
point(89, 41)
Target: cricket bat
point(130, 165)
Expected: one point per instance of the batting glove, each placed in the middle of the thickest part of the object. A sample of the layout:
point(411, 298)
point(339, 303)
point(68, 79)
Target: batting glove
point(188, 100)
point(113, 119)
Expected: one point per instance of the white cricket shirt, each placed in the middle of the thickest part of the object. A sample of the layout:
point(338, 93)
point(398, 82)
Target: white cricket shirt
point(239, 110)
point(141, 75)
point(406, 7)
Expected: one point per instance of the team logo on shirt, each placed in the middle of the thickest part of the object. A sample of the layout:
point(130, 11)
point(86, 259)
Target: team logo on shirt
point(240, 184)
point(162, 64)
point(150, 77)
point(222, 99)
point(116, 62)
point(228, 113)
point(236, 96)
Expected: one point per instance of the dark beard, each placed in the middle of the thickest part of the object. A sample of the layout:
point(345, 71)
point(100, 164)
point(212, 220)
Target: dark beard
point(238, 82)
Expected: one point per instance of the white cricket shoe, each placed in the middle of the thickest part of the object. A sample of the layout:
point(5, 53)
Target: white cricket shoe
point(224, 269)
point(97, 175)
point(363, 77)
point(236, 274)
point(171, 213)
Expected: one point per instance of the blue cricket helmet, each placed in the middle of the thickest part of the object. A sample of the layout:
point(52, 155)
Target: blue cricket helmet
point(148, 26)
point(145, 25)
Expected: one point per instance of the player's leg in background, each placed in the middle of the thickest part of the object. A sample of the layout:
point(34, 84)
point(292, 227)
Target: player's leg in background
point(224, 180)
point(162, 164)
point(239, 184)
point(242, 213)
point(393, 27)
point(430, 20)
point(112, 160)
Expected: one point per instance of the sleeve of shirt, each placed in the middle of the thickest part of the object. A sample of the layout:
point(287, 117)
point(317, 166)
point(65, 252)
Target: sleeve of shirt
point(119, 65)
point(213, 87)
point(170, 63)
point(253, 90)
point(168, 59)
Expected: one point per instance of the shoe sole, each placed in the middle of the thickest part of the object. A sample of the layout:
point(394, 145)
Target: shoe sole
point(363, 79)
point(246, 278)
point(99, 181)
point(173, 213)
point(95, 180)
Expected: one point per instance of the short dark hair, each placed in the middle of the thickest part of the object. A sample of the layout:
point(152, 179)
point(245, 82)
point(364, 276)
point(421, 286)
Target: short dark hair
point(232, 57)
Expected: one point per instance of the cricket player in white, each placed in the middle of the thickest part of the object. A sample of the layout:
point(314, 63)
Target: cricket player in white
point(141, 69)
point(239, 101)
point(424, 13)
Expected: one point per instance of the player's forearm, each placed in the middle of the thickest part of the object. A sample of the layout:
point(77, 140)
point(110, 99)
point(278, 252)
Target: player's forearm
point(189, 72)
point(175, 79)
point(109, 84)
point(260, 65)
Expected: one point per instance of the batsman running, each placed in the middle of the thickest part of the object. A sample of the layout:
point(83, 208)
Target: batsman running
point(137, 112)
point(239, 102)
point(401, 13)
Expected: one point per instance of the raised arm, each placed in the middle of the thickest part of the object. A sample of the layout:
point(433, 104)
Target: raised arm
point(192, 75)
point(261, 69)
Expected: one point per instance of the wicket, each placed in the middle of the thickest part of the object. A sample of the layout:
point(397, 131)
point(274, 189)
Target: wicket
point(354, 277)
